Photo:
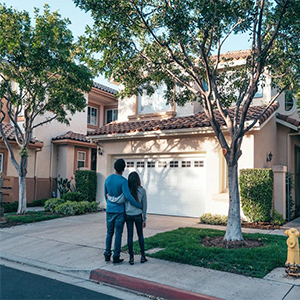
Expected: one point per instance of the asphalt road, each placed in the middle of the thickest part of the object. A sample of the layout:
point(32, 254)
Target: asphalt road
point(16, 284)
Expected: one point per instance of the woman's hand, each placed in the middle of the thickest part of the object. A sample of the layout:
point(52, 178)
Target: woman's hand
point(144, 224)
point(107, 195)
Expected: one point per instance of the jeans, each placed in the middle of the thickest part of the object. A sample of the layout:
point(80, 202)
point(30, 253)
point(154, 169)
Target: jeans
point(138, 221)
point(114, 221)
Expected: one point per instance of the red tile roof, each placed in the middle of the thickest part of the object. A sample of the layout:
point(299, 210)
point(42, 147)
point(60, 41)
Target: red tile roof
point(288, 119)
point(198, 120)
point(104, 88)
point(234, 55)
point(70, 135)
point(9, 132)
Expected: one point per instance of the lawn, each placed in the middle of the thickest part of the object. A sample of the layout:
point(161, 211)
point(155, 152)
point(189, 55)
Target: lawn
point(184, 246)
point(30, 217)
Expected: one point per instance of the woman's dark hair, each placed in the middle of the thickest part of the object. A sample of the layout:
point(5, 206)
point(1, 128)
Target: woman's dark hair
point(133, 183)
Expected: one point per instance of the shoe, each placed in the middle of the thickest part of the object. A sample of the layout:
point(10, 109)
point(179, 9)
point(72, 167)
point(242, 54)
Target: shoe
point(131, 260)
point(143, 259)
point(107, 257)
point(117, 260)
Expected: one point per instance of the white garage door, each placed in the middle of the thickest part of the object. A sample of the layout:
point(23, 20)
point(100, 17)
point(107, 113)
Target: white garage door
point(175, 186)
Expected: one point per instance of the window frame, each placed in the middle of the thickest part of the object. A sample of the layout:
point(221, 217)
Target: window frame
point(113, 110)
point(89, 116)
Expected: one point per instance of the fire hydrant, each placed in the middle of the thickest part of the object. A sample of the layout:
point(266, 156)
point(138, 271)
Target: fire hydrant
point(293, 259)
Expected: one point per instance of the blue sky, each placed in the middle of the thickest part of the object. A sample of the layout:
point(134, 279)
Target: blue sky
point(80, 19)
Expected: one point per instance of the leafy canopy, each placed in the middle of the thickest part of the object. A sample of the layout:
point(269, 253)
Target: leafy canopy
point(39, 67)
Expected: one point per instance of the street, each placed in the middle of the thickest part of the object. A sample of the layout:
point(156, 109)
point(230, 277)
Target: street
point(16, 284)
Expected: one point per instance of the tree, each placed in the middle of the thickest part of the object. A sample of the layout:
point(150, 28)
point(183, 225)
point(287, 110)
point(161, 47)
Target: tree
point(39, 77)
point(179, 42)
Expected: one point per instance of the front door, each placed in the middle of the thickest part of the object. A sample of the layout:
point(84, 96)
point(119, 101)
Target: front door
point(297, 181)
point(94, 160)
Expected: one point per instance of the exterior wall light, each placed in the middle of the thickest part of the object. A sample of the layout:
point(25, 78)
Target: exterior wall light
point(269, 157)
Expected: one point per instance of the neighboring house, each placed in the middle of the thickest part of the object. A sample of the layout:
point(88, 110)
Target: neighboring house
point(180, 161)
point(60, 149)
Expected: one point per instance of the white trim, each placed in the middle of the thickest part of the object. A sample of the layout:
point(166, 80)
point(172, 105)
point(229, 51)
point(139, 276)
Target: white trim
point(286, 124)
point(1, 162)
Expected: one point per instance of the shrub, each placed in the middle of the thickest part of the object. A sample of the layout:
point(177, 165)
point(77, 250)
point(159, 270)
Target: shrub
point(277, 218)
point(86, 184)
point(208, 218)
point(10, 207)
point(72, 196)
point(52, 203)
point(67, 208)
point(63, 185)
point(40, 202)
point(256, 189)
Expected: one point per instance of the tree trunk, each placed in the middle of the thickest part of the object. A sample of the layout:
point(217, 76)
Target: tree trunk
point(234, 228)
point(22, 208)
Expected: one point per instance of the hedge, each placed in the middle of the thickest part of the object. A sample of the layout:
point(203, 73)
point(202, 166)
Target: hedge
point(86, 184)
point(256, 190)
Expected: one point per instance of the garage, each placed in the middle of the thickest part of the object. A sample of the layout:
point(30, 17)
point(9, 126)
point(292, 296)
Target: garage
point(174, 185)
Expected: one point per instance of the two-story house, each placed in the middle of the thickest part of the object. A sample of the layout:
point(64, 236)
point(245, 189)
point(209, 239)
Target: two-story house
point(178, 158)
point(59, 150)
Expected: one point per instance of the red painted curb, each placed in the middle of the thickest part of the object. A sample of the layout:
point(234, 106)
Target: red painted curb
point(144, 286)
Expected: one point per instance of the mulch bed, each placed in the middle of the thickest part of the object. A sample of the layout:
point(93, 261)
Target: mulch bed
point(220, 243)
point(260, 225)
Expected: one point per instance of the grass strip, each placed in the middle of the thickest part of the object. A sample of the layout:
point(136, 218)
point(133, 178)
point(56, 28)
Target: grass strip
point(184, 246)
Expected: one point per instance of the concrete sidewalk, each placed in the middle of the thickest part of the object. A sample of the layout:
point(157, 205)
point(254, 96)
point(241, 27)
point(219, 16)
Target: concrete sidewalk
point(74, 246)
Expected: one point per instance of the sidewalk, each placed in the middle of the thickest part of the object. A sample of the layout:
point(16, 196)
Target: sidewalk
point(74, 246)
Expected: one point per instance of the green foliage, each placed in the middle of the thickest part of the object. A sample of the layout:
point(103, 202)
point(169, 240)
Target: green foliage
point(10, 207)
point(183, 245)
point(52, 203)
point(277, 218)
point(216, 219)
point(72, 196)
point(40, 202)
point(289, 189)
point(31, 217)
point(86, 184)
point(256, 189)
point(63, 207)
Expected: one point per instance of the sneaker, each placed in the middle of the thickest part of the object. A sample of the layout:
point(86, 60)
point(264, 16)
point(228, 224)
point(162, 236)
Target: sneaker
point(117, 260)
point(143, 259)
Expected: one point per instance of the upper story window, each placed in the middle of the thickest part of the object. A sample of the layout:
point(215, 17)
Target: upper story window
point(81, 157)
point(154, 103)
point(288, 100)
point(92, 117)
point(1, 162)
point(259, 93)
point(111, 115)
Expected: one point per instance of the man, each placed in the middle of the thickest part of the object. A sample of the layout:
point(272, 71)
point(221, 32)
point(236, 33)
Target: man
point(115, 185)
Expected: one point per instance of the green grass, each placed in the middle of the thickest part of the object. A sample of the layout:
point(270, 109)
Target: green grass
point(30, 217)
point(184, 246)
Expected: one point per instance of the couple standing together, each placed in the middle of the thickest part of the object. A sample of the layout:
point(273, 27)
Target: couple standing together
point(126, 201)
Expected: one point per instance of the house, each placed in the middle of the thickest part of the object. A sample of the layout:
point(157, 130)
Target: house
point(59, 150)
point(179, 160)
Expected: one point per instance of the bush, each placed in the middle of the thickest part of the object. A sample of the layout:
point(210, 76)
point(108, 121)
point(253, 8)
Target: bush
point(40, 202)
point(60, 206)
point(256, 189)
point(208, 218)
point(10, 207)
point(277, 218)
point(86, 184)
point(52, 203)
point(72, 196)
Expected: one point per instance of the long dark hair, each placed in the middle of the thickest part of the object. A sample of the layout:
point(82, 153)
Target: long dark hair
point(133, 183)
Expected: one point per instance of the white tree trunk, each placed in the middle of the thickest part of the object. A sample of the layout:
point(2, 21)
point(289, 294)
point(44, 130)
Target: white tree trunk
point(234, 228)
point(22, 208)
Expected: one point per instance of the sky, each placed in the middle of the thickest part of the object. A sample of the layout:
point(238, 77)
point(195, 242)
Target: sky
point(79, 19)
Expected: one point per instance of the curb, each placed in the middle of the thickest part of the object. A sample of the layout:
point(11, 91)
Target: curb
point(144, 286)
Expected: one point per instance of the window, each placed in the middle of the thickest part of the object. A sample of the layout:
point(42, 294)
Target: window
point(92, 117)
point(288, 100)
point(259, 92)
point(81, 155)
point(186, 164)
point(1, 162)
point(111, 115)
point(162, 164)
point(174, 164)
point(140, 164)
point(151, 164)
point(154, 103)
point(198, 163)
point(130, 164)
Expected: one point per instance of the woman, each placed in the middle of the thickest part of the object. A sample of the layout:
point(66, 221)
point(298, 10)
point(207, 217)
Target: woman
point(134, 215)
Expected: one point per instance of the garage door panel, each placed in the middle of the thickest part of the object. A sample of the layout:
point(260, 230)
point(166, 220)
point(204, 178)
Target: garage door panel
point(175, 186)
